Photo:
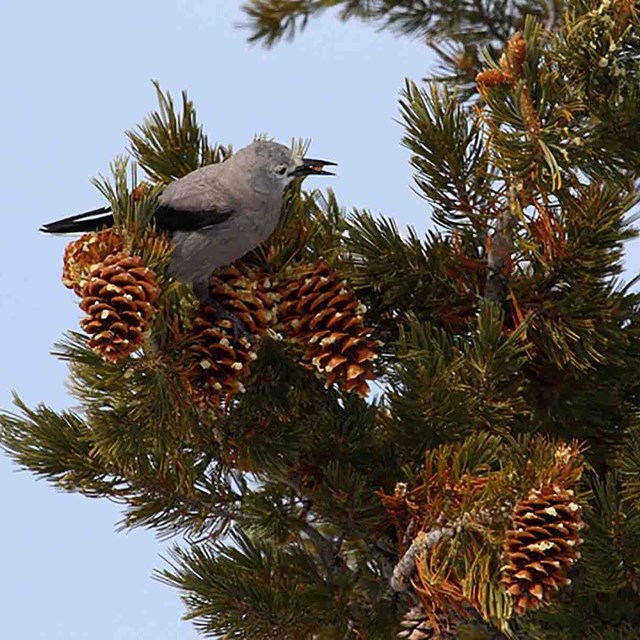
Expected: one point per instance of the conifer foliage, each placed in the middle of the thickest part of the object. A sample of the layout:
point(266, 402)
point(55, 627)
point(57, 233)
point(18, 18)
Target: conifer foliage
point(491, 487)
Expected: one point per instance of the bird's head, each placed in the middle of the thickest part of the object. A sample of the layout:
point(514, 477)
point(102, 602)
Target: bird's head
point(273, 166)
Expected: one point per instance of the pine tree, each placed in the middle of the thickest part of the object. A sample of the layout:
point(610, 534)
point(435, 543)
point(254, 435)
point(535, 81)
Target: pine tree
point(491, 486)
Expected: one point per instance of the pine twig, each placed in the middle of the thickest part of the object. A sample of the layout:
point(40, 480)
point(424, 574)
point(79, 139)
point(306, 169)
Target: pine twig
point(407, 564)
point(500, 249)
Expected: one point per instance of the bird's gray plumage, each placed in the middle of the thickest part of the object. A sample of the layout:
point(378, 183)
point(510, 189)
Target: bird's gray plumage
point(246, 191)
point(218, 213)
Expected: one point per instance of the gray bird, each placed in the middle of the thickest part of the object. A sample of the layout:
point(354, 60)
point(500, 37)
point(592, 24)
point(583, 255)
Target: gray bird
point(218, 213)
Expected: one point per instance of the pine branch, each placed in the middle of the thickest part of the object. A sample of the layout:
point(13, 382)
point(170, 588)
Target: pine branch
point(449, 156)
point(65, 450)
point(399, 276)
point(170, 144)
point(499, 261)
point(164, 505)
point(482, 20)
point(57, 447)
point(406, 566)
point(248, 588)
point(629, 470)
point(611, 540)
point(443, 389)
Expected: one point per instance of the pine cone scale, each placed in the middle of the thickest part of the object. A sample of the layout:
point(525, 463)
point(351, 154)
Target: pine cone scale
point(84, 254)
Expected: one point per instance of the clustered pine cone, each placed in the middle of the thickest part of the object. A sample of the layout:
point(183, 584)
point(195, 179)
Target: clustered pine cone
point(320, 312)
point(417, 626)
point(82, 255)
point(245, 293)
point(119, 299)
point(214, 362)
point(541, 546)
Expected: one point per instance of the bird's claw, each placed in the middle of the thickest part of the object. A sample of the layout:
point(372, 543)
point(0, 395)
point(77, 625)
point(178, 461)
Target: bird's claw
point(237, 326)
point(202, 291)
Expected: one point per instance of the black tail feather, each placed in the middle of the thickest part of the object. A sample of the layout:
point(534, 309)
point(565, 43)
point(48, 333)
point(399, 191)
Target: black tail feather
point(81, 222)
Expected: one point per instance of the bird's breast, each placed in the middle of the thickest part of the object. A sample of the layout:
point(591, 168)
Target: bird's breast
point(198, 253)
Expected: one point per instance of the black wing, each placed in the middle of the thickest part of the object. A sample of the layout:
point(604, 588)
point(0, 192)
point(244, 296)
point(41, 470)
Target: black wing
point(165, 218)
point(170, 219)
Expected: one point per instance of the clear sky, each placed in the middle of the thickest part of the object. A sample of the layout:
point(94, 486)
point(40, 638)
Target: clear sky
point(75, 76)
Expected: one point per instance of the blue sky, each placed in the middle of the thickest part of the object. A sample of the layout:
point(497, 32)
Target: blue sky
point(76, 75)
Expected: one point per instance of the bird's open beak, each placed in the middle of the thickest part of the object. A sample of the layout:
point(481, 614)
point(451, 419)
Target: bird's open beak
point(312, 167)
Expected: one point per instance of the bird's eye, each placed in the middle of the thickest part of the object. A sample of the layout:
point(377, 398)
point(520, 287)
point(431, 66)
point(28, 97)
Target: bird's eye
point(281, 170)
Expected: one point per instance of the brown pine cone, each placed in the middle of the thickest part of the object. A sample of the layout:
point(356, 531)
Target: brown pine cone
point(119, 300)
point(86, 252)
point(512, 59)
point(320, 312)
point(245, 292)
point(417, 626)
point(541, 546)
point(214, 363)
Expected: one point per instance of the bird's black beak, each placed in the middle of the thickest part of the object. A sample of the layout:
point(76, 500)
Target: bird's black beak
point(312, 167)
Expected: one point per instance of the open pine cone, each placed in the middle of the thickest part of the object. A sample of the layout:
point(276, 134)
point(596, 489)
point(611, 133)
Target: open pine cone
point(541, 546)
point(319, 311)
point(119, 300)
point(83, 254)
point(417, 626)
point(245, 292)
point(215, 363)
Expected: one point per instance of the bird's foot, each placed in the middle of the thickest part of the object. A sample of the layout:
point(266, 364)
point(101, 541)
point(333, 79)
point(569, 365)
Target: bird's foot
point(202, 291)
point(237, 326)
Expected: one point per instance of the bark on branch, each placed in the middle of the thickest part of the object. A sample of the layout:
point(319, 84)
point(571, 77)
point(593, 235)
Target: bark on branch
point(407, 565)
point(500, 250)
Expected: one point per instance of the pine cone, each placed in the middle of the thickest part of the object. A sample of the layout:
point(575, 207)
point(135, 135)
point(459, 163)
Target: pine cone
point(417, 626)
point(320, 312)
point(119, 300)
point(85, 253)
point(541, 546)
point(215, 363)
point(245, 293)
